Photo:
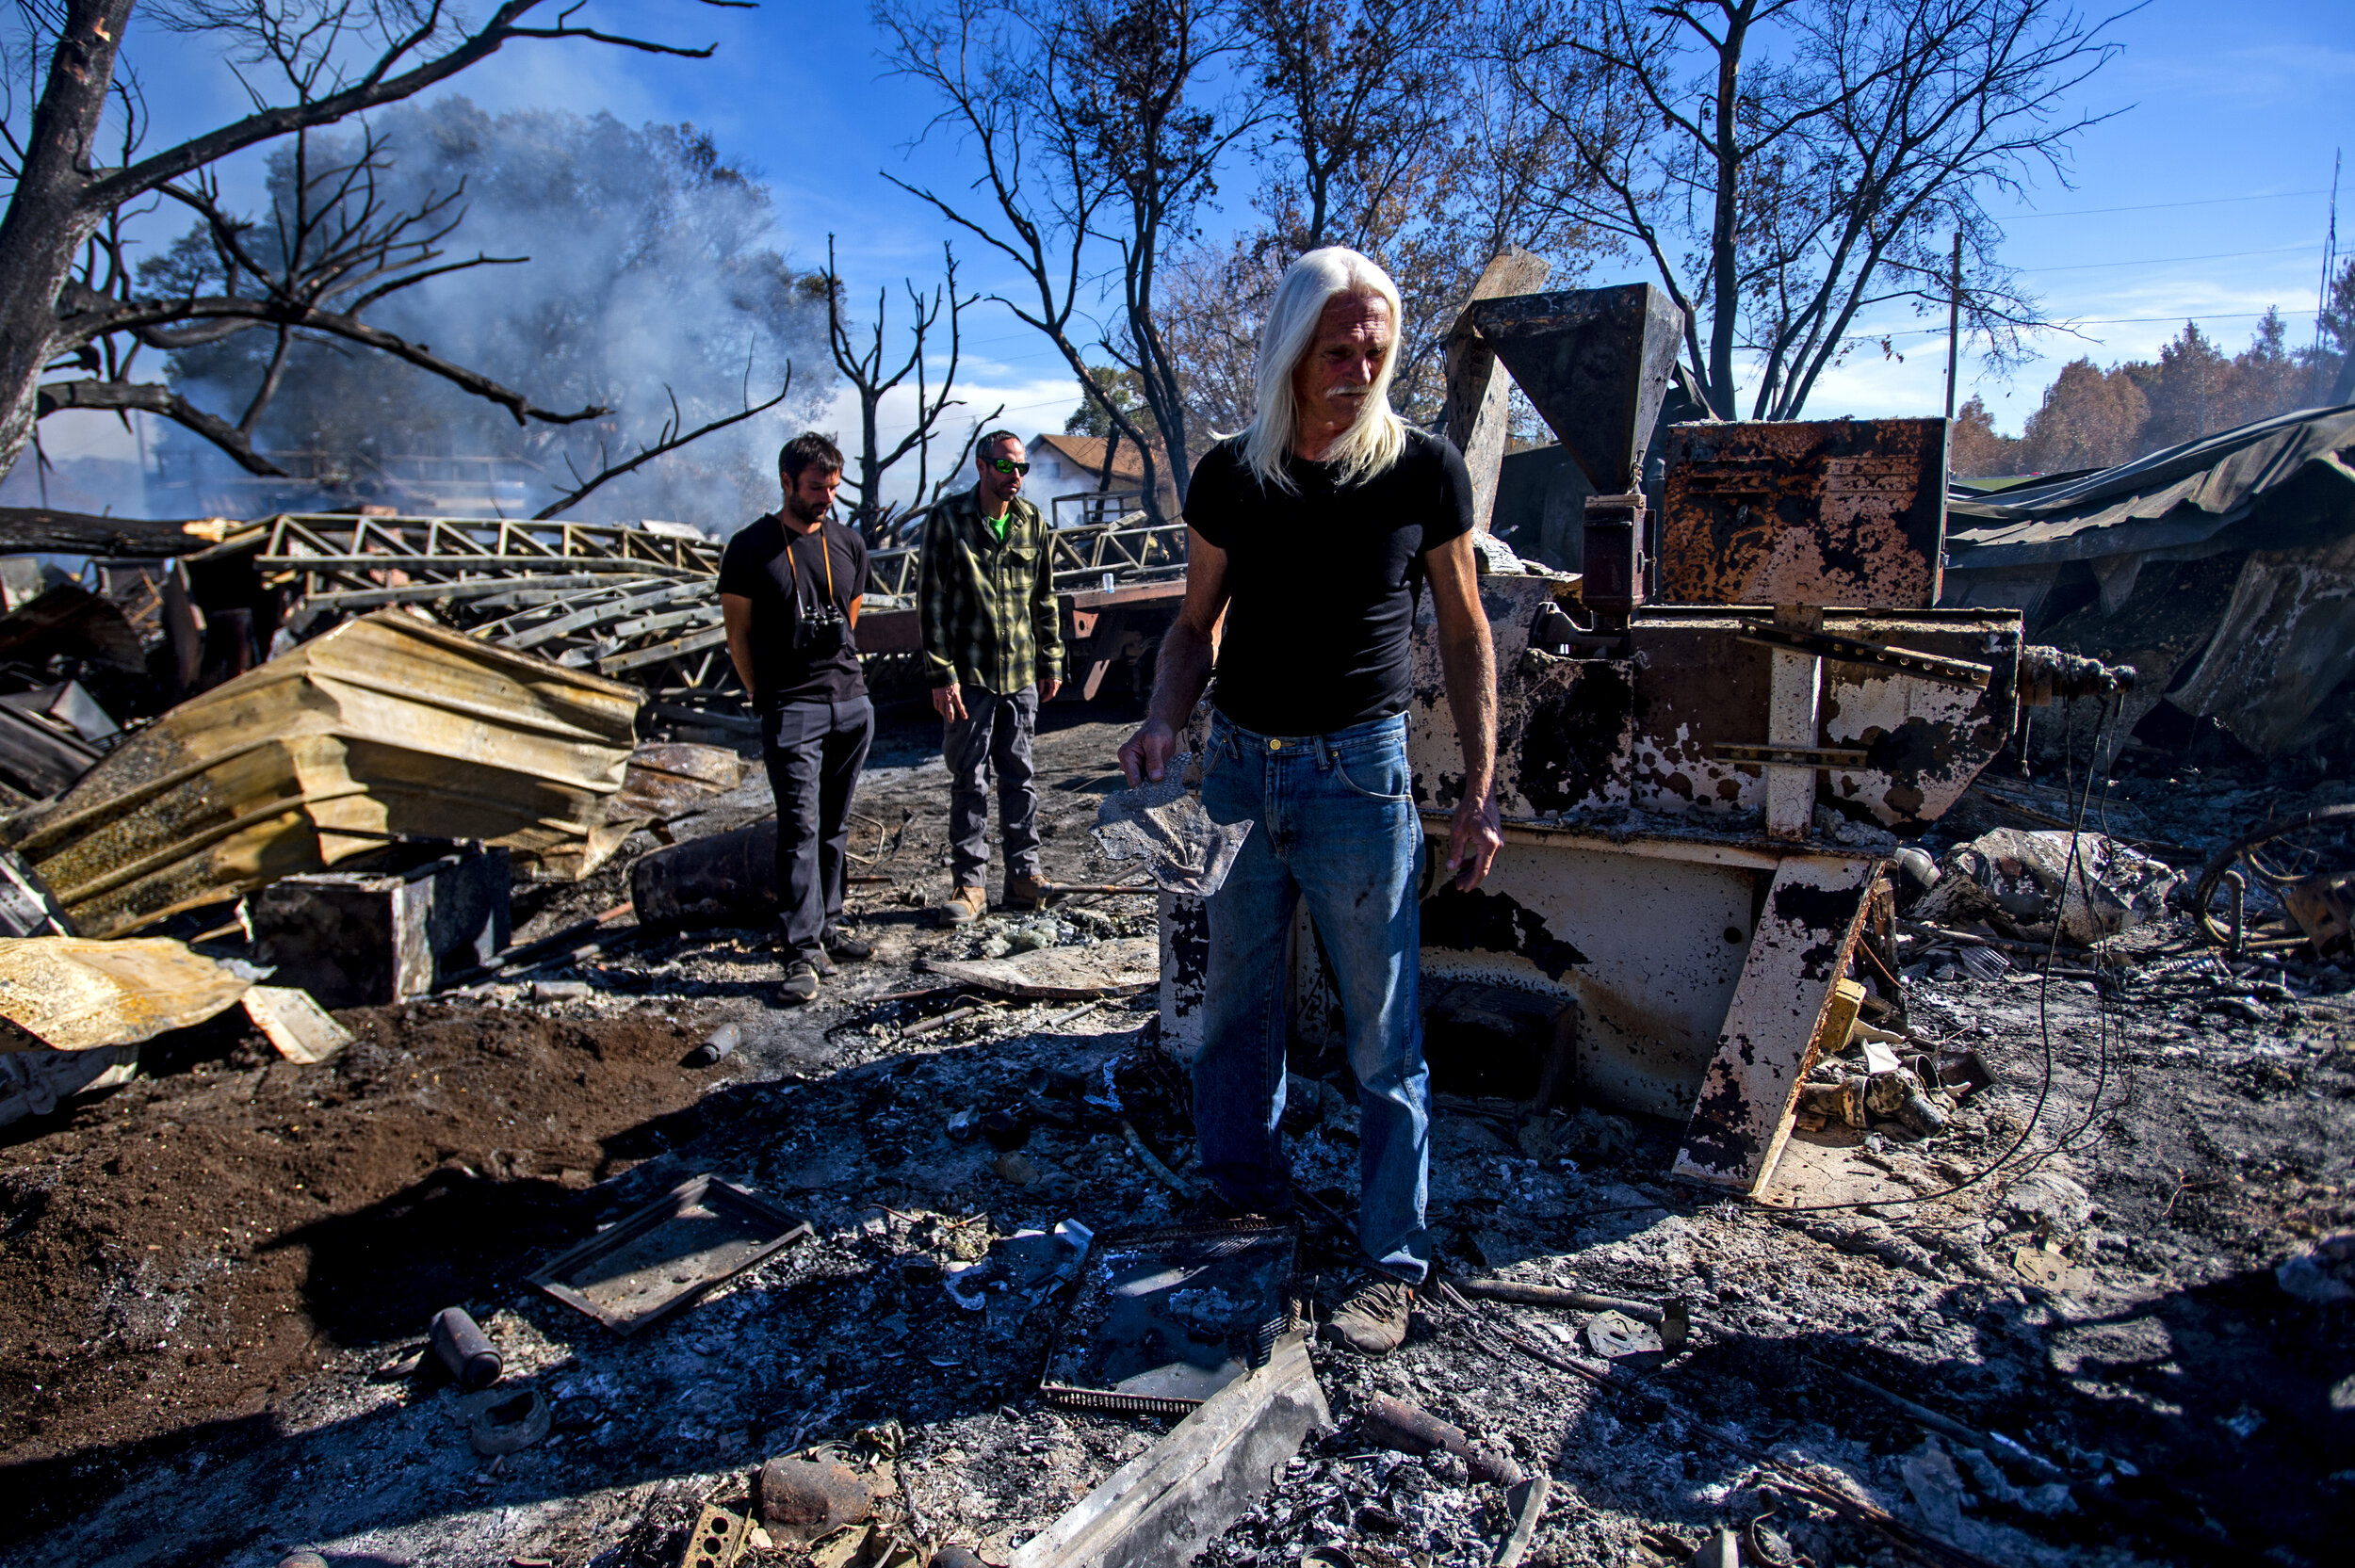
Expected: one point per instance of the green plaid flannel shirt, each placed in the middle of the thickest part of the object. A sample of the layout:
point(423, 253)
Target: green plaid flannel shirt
point(987, 608)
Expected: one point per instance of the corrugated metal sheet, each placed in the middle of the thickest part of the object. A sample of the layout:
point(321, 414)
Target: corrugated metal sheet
point(2300, 467)
point(75, 994)
point(387, 725)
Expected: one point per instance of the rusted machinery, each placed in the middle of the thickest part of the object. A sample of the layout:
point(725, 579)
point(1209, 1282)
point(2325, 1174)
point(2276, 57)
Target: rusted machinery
point(1698, 792)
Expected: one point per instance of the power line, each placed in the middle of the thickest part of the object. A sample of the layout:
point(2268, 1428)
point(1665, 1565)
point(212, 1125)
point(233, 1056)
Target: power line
point(2167, 261)
point(2183, 316)
point(2156, 207)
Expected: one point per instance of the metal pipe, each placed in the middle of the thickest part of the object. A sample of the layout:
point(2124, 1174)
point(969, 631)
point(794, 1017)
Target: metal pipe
point(1396, 1423)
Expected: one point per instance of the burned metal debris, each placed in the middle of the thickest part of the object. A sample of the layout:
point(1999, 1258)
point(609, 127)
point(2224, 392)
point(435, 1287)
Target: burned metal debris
point(653, 1262)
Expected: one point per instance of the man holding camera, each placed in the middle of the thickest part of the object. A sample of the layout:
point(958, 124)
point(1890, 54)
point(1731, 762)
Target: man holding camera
point(992, 644)
point(789, 590)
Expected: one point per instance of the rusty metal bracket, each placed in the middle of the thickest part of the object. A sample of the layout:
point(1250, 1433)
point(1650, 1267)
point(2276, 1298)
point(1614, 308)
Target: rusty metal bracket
point(1850, 650)
point(1792, 756)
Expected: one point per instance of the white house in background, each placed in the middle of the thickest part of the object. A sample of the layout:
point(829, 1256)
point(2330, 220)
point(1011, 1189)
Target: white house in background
point(1074, 465)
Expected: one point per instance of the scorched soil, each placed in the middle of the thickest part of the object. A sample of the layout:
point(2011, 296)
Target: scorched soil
point(173, 1256)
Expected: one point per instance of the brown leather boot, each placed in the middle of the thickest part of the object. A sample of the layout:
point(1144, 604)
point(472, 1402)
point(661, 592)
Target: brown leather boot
point(965, 905)
point(1372, 1321)
point(1024, 892)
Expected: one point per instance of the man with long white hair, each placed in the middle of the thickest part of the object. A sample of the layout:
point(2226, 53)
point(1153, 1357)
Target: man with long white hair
point(1314, 532)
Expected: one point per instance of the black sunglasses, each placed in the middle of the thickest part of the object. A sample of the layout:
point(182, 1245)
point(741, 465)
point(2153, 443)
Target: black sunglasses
point(1007, 465)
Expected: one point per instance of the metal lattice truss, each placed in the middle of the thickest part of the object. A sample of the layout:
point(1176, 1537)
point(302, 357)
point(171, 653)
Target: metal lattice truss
point(633, 603)
point(1131, 550)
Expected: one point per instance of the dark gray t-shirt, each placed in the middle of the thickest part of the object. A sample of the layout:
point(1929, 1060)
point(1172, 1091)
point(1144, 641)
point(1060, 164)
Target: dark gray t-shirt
point(1323, 582)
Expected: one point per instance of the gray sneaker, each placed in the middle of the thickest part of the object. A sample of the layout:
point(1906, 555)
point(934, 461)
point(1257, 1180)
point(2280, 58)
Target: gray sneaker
point(1372, 1321)
point(799, 983)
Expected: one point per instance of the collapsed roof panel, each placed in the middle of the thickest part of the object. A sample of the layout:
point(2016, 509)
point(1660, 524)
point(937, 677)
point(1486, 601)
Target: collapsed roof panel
point(2289, 476)
point(2102, 564)
point(385, 726)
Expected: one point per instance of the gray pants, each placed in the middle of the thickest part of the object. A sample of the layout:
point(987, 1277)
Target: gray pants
point(995, 733)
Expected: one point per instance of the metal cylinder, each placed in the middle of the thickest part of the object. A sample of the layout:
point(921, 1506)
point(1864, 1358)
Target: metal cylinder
point(465, 1350)
point(718, 1045)
point(956, 1556)
point(1396, 1423)
point(1841, 1102)
point(727, 875)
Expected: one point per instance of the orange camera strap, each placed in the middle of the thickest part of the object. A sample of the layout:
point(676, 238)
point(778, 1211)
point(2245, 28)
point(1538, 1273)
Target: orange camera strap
point(823, 554)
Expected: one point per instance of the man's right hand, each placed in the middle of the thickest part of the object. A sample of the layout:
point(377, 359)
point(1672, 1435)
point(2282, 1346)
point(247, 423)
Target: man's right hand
point(1146, 753)
point(949, 701)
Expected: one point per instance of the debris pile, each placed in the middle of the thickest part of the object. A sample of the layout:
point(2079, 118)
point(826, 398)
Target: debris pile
point(473, 1186)
point(2021, 884)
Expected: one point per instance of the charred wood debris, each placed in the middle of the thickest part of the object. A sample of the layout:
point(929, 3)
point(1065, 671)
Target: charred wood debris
point(2054, 1266)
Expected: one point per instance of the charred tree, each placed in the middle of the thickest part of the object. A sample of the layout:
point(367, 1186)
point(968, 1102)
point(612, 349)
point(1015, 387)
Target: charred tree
point(1088, 121)
point(1789, 167)
point(863, 366)
point(68, 302)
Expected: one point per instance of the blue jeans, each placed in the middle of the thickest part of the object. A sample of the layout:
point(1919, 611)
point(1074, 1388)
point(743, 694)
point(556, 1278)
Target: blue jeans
point(1335, 824)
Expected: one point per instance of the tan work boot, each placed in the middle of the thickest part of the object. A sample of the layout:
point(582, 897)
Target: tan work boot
point(965, 905)
point(1372, 1321)
point(1023, 892)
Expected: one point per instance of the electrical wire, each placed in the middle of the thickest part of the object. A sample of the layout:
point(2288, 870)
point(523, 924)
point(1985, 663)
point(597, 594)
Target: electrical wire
point(2155, 206)
point(2169, 260)
point(2044, 1026)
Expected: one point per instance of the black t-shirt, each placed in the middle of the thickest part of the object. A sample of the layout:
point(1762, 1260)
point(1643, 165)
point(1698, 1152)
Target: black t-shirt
point(783, 574)
point(1323, 582)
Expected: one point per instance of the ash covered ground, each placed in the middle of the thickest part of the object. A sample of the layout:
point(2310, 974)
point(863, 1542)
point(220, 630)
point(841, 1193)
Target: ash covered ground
point(215, 1275)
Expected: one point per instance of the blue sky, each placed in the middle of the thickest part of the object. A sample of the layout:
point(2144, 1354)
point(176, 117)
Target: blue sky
point(2204, 196)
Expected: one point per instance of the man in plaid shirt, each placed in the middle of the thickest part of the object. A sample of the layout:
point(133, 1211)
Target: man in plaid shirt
point(993, 647)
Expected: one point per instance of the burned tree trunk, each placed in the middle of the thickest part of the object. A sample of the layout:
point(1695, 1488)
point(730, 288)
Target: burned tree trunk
point(65, 286)
point(50, 216)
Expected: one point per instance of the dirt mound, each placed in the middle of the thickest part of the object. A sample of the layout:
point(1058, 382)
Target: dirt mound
point(181, 1250)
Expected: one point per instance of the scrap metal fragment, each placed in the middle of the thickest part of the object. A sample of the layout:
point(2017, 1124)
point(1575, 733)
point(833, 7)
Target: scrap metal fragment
point(1167, 1316)
point(460, 1344)
point(1162, 1507)
point(806, 1496)
point(717, 1541)
point(293, 1021)
point(510, 1426)
point(77, 994)
point(1164, 825)
point(1527, 1502)
point(1616, 1336)
point(650, 1263)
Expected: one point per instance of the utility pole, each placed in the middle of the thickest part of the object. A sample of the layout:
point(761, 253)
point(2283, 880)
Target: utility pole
point(1954, 324)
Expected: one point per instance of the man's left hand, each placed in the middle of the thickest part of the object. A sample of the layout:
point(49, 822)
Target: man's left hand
point(1047, 688)
point(1473, 842)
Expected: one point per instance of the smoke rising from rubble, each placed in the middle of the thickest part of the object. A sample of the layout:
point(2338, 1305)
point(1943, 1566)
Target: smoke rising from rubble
point(651, 267)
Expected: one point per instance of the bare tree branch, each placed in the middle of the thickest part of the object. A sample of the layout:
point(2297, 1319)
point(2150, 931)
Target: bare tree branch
point(377, 86)
point(62, 238)
point(127, 396)
point(1799, 165)
point(669, 440)
point(1106, 95)
point(863, 367)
